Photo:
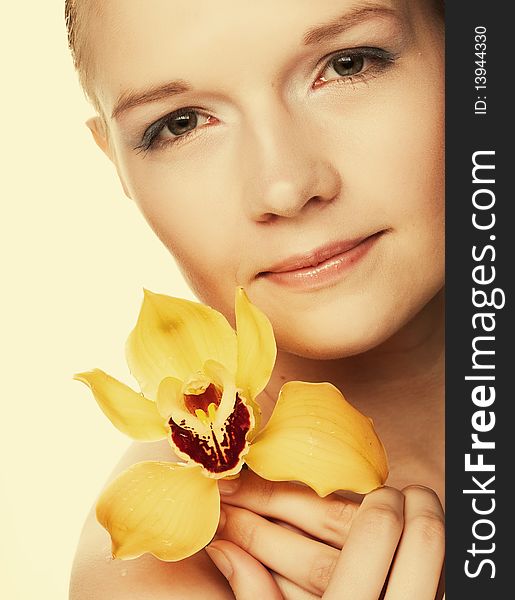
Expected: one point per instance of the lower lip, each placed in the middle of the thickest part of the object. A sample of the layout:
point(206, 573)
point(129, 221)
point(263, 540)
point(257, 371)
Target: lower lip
point(326, 273)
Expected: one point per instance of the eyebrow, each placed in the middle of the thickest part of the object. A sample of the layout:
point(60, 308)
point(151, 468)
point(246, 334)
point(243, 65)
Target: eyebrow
point(357, 15)
point(349, 19)
point(130, 98)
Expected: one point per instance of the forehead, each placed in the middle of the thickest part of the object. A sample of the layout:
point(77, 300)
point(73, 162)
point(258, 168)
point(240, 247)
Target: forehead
point(137, 43)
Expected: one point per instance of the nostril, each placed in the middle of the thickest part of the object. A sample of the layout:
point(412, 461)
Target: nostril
point(267, 218)
point(319, 200)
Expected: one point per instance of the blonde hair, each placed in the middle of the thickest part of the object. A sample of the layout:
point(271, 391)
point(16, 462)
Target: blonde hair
point(78, 15)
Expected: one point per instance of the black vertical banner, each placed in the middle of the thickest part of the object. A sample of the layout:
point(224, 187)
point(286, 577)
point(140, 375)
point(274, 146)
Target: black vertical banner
point(480, 369)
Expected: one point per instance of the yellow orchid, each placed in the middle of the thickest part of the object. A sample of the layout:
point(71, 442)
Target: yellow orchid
point(199, 381)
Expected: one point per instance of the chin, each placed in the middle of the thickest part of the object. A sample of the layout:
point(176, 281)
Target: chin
point(352, 330)
point(332, 339)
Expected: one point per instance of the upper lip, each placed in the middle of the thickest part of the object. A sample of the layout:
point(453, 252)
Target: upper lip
point(316, 256)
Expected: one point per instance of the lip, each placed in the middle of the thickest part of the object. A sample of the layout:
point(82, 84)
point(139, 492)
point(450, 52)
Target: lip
point(323, 266)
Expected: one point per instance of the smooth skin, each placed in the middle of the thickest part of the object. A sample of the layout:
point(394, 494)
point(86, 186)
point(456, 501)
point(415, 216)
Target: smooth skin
point(288, 155)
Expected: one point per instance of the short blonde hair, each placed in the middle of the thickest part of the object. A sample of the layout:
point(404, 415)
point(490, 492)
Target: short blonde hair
point(78, 15)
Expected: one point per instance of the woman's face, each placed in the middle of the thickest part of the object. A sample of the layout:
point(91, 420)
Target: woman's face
point(292, 148)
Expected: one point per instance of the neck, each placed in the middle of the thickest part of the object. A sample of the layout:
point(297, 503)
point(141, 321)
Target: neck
point(399, 384)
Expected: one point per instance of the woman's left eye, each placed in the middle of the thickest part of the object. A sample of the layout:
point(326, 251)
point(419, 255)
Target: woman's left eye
point(356, 62)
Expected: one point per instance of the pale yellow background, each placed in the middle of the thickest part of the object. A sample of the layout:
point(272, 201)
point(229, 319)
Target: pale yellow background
point(75, 255)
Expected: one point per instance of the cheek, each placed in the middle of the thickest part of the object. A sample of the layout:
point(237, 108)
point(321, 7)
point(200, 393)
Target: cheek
point(393, 163)
point(417, 190)
point(194, 218)
point(409, 174)
point(409, 180)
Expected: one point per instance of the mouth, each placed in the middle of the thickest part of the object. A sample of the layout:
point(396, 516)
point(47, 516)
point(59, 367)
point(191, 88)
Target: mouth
point(321, 266)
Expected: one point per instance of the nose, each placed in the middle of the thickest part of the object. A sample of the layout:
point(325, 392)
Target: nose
point(286, 169)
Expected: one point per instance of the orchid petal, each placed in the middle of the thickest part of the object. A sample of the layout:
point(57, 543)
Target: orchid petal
point(315, 436)
point(127, 410)
point(174, 338)
point(167, 509)
point(221, 377)
point(256, 347)
point(170, 398)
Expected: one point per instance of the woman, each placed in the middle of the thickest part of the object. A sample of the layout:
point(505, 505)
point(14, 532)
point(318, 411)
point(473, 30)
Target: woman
point(295, 150)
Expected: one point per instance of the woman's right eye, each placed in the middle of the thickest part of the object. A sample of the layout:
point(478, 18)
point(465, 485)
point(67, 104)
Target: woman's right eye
point(174, 127)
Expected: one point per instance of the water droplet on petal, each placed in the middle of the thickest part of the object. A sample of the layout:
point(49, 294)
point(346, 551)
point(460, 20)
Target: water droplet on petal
point(123, 572)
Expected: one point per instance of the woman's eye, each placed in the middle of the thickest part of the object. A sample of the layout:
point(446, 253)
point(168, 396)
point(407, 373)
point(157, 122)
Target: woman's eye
point(357, 62)
point(172, 127)
point(347, 65)
point(182, 123)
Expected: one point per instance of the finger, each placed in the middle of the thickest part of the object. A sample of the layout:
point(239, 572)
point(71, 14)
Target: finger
point(306, 562)
point(365, 559)
point(292, 591)
point(248, 579)
point(418, 563)
point(328, 519)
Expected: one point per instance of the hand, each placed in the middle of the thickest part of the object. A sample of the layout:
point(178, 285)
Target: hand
point(393, 543)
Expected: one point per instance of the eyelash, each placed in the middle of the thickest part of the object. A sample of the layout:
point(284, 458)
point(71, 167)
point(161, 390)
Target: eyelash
point(150, 140)
point(379, 60)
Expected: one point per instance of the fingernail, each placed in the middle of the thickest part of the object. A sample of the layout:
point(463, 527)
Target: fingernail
point(221, 561)
point(228, 486)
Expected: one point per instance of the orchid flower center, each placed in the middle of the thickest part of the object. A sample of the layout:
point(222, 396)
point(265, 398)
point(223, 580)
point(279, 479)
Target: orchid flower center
point(215, 436)
point(203, 402)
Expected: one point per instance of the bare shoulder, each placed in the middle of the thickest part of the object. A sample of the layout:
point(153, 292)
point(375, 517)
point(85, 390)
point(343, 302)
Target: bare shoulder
point(96, 576)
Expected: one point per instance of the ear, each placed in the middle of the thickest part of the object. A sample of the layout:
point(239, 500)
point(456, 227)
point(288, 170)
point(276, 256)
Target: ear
point(98, 129)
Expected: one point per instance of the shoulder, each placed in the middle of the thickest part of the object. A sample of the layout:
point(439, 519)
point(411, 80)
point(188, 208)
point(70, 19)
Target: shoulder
point(96, 576)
